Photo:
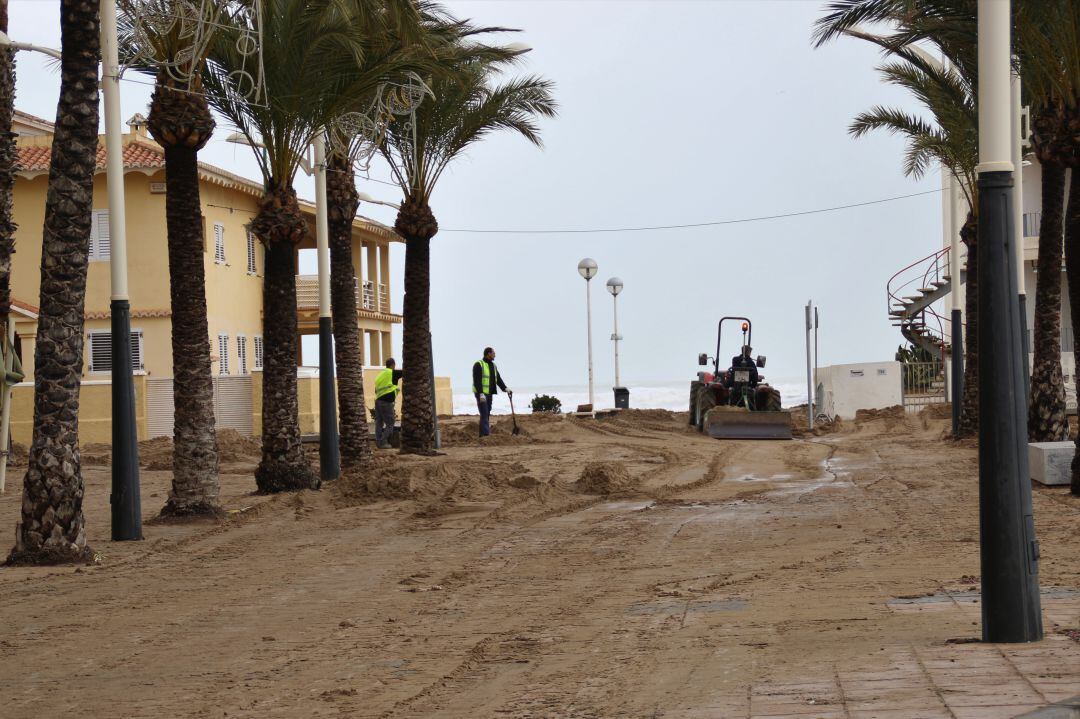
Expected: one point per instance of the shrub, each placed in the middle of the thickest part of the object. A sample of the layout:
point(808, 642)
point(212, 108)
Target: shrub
point(546, 403)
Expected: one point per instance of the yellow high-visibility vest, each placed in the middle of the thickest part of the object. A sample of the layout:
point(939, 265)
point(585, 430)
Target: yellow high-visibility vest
point(487, 381)
point(384, 383)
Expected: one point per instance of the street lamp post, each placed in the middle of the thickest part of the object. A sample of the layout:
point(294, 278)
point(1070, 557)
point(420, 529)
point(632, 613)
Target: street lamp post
point(1009, 552)
point(587, 269)
point(622, 396)
point(126, 503)
point(329, 455)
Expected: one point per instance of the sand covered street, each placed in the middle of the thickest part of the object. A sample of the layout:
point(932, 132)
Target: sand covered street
point(622, 567)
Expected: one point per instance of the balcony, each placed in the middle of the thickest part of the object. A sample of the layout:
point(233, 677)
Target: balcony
point(370, 297)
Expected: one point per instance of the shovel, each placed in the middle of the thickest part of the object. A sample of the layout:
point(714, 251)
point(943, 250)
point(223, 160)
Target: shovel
point(516, 430)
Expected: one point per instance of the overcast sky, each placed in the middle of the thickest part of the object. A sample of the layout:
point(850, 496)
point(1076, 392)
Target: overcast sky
point(670, 113)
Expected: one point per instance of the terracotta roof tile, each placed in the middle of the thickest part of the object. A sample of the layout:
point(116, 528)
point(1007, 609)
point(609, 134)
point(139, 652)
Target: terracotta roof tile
point(136, 156)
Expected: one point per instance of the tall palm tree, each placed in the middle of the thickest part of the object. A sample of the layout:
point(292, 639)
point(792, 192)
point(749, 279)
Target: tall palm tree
point(51, 529)
point(7, 169)
point(952, 139)
point(173, 52)
point(1048, 42)
point(434, 39)
point(467, 107)
point(307, 48)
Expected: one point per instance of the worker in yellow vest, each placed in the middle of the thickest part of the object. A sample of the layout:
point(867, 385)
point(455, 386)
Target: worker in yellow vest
point(386, 392)
point(486, 379)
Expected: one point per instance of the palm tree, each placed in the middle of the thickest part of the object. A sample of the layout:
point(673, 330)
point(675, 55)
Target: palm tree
point(307, 50)
point(51, 529)
point(7, 169)
point(467, 106)
point(1048, 42)
point(952, 139)
point(181, 122)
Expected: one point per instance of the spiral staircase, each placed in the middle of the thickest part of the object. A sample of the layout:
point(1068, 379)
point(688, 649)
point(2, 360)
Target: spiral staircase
point(912, 293)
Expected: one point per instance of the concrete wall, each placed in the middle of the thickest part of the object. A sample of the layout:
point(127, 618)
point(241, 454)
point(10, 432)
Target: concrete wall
point(95, 411)
point(844, 389)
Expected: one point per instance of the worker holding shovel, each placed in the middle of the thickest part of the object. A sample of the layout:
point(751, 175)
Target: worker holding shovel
point(486, 384)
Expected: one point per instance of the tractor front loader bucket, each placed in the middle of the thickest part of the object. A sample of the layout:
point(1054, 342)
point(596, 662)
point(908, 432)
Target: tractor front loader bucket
point(741, 423)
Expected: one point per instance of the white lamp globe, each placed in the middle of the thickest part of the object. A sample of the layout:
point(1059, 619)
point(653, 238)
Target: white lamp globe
point(587, 268)
point(614, 286)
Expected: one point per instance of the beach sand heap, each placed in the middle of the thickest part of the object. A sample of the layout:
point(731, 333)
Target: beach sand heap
point(606, 478)
point(443, 479)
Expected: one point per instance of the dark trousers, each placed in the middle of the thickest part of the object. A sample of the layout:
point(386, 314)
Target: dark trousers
point(384, 423)
point(483, 403)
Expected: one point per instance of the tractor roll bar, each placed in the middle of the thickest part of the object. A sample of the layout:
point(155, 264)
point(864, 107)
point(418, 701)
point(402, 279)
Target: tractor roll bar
point(719, 330)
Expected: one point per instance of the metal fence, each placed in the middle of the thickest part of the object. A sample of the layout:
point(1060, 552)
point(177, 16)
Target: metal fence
point(923, 384)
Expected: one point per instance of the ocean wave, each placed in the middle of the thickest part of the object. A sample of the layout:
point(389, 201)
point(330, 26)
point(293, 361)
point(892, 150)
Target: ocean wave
point(674, 396)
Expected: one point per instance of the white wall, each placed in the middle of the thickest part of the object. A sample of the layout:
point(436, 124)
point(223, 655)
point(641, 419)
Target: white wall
point(844, 389)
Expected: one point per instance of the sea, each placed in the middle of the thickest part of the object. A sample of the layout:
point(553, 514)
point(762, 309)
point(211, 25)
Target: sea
point(674, 396)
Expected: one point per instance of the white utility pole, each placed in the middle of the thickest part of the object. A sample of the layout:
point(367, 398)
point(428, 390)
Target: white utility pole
point(587, 268)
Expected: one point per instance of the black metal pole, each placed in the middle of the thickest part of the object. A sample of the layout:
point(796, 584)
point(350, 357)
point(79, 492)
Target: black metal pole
point(957, 368)
point(1026, 341)
point(329, 456)
point(125, 500)
point(1009, 551)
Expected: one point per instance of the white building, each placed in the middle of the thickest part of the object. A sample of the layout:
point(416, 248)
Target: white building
point(919, 295)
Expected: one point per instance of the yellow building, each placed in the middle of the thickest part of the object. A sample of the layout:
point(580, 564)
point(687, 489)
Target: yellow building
point(233, 263)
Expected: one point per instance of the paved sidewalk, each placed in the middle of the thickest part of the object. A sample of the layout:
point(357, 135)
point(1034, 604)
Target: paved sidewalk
point(961, 680)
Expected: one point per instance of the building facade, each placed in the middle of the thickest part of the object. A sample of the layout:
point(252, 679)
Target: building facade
point(233, 261)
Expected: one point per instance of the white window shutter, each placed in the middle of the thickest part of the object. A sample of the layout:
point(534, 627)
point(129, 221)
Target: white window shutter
point(223, 354)
point(100, 351)
point(100, 244)
point(241, 353)
point(258, 352)
point(137, 350)
point(251, 253)
point(219, 243)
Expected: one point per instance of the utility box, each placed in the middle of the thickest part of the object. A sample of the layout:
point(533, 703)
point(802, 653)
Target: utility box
point(622, 398)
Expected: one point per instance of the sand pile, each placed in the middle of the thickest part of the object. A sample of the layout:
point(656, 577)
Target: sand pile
point(157, 454)
point(868, 415)
point(656, 419)
point(605, 478)
point(442, 479)
point(822, 425)
point(941, 410)
point(467, 434)
point(96, 454)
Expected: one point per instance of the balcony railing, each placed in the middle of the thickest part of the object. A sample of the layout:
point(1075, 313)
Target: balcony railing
point(367, 300)
point(307, 292)
point(370, 296)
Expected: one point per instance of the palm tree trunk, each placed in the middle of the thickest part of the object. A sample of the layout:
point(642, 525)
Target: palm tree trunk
point(195, 485)
point(52, 527)
point(1046, 409)
point(280, 226)
point(342, 201)
point(969, 403)
point(1072, 272)
point(7, 168)
point(181, 122)
point(416, 223)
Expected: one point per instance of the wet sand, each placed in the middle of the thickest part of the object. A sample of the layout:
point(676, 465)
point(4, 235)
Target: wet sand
point(829, 576)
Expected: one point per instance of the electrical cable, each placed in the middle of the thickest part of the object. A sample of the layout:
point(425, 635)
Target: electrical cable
point(696, 224)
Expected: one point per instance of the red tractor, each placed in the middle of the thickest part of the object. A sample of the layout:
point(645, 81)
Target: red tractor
point(737, 403)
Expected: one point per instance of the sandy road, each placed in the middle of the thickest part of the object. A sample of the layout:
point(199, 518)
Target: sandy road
point(495, 588)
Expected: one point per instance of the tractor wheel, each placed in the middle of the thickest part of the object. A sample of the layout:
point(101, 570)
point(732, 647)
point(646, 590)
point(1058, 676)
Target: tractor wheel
point(694, 387)
point(706, 400)
point(771, 395)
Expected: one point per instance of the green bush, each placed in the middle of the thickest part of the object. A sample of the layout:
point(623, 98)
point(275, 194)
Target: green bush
point(546, 403)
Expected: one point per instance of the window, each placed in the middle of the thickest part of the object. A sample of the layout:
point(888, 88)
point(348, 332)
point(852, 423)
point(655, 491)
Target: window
point(241, 353)
point(223, 354)
point(100, 244)
point(258, 352)
point(219, 243)
point(251, 270)
point(100, 346)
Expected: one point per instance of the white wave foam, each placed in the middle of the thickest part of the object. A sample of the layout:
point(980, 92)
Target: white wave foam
point(674, 396)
